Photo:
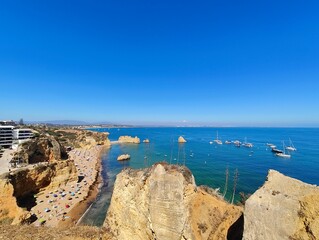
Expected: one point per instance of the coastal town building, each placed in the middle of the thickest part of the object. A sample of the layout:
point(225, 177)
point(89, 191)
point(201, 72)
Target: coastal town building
point(22, 135)
point(10, 136)
point(7, 123)
point(6, 136)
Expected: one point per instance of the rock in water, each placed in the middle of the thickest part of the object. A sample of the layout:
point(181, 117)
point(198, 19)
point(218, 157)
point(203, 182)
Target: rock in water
point(124, 157)
point(181, 140)
point(129, 139)
point(284, 208)
point(163, 202)
point(146, 141)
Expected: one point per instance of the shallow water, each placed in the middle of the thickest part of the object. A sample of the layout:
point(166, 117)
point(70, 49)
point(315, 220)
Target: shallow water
point(208, 162)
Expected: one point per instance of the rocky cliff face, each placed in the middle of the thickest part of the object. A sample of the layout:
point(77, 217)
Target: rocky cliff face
point(129, 139)
point(52, 175)
point(42, 149)
point(10, 212)
point(17, 188)
point(284, 208)
point(163, 202)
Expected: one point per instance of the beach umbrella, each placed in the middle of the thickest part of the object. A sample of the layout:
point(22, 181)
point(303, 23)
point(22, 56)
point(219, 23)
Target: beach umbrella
point(42, 221)
point(54, 195)
point(72, 194)
point(67, 206)
point(47, 210)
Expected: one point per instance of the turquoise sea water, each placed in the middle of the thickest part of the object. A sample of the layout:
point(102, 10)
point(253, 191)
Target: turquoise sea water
point(208, 162)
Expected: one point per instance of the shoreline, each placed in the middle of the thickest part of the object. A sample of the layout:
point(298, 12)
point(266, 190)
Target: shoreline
point(64, 205)
point(81, 208)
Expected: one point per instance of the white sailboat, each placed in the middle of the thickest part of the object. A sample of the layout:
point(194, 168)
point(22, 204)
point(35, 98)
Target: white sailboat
point(291, 147)
point(246, 144)
point(283, 154)
point(219, 142)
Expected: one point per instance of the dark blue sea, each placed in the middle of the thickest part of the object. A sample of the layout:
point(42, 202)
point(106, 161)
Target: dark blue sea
point(208, 162)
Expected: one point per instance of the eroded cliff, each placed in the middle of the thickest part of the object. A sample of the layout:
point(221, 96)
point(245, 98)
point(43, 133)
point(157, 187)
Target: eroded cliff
point(163, 202)
point(283, 208)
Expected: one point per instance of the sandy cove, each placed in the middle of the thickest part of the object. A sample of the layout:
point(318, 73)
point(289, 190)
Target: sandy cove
point(65, 205)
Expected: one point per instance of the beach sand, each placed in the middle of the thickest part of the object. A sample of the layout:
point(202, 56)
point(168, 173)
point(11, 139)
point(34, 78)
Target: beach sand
point(65, 205)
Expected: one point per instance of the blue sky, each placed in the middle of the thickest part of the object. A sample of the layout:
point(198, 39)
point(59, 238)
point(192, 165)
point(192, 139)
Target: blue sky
point(224, 63)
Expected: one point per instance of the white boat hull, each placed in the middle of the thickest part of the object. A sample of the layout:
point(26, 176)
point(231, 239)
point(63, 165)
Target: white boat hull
point(283, 155)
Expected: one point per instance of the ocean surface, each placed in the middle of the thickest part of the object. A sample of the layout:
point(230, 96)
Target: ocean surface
point(208, 162)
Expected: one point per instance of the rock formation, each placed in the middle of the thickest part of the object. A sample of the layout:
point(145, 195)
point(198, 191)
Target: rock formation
point(163, 202)
point(10, 212)
point(181, 140)
point(129, 139)
point(146, 140)
point(124, 157)
point(284, 208)
point(42, 149)
point(16, 188)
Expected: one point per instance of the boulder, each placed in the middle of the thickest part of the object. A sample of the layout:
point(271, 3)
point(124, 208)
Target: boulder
point(163, 202)
point(181, 140)
point(129, 139)
point(124, 157)
point(283, 208)
point(146, 140)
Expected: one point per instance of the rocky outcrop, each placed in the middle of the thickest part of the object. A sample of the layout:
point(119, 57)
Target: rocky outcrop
point(30, 180)
point(146, 140)
point(17, 188)
point(163, 202)
point(124, 157)
point(129, 139)
point(81, 138)
point(181, 140)
point(283, 208)
point(42, 149)
point(10, 212)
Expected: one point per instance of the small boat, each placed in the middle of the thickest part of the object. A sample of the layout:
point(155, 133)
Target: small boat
point(291, 147)
point(210, 142)
point(247, 145)
point(237, 143)
point(283, 154)
point(275, 150)
point(227, 142)
point(219, 142)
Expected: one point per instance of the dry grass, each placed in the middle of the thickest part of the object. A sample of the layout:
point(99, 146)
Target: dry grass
point(46, 233)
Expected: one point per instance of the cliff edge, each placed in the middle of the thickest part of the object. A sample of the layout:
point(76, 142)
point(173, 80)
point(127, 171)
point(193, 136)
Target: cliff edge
point(163, 202)
point(283, 208)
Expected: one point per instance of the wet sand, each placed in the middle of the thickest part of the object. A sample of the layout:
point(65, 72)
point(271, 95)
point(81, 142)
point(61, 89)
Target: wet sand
point(65, 205)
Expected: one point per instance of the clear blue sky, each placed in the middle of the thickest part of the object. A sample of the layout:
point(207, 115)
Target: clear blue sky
point(249, 63)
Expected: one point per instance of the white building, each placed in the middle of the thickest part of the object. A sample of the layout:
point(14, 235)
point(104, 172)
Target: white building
point(6, 136)
point(10, 137)
point(22, 134)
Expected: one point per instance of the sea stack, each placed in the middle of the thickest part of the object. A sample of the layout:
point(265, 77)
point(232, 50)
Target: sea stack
point(181, 140)
point(146, 140)
point(129, 139)
point(124, 157)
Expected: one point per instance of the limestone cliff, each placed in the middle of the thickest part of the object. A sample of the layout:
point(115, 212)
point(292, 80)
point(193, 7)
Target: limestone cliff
point(42, 149)
point(10, 212)
point(284, 208)
point(81, 138)
point(181, 140)
point(18, 187)
point(163, 202)
point(129, 139)
point(52, 175)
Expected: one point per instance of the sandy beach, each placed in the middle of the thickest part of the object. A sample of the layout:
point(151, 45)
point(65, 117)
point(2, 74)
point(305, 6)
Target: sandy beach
point(65, 205)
